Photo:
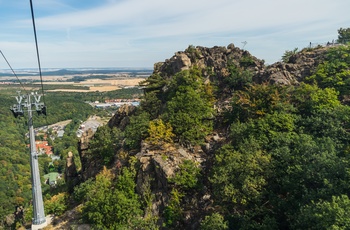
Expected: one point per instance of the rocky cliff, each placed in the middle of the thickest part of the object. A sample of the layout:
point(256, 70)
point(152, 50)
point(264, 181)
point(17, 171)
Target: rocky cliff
point(157, 165)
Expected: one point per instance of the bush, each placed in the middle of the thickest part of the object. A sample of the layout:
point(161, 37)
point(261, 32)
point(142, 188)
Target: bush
point(187, 175)
point(214, 221)
point(173, 211)
point(57, 205)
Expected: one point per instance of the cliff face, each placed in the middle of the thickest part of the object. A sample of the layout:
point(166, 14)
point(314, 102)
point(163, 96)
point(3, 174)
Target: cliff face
point(157, 165)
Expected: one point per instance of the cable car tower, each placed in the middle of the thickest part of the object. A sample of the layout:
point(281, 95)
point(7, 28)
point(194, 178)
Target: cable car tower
point(31, 102)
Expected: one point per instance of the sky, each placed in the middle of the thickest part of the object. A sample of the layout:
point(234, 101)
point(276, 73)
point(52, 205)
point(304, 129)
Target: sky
point(139, 33)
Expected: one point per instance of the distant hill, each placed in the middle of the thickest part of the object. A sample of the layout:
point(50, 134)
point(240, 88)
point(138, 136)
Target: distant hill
point(76, 71)
point(94, 71)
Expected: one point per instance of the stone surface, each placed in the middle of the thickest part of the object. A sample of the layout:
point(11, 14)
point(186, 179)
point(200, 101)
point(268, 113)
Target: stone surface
point(121, 117)
point(71, 173)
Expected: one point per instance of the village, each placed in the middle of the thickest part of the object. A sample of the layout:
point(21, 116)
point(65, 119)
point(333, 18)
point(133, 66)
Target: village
point(115, 103)
point(57, 131)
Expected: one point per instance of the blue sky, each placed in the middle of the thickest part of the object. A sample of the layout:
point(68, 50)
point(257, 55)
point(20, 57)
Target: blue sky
point(139, 33)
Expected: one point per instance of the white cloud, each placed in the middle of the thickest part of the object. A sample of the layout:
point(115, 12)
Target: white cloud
point(159, 18)
point(127, 29)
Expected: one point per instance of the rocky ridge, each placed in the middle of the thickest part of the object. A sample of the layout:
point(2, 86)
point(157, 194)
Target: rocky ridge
point(214, 63)
point(158, 165)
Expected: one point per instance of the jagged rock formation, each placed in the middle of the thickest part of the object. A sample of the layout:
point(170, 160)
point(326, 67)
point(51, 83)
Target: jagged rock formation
point(70, 174)
point(300, 65)
point(214, 61)
point(89, 168)
point(159, 164)
point(121, 118)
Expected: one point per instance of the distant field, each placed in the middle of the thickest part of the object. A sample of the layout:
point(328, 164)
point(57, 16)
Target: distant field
point(73, 80)
point(101, 85)
point(57, 83)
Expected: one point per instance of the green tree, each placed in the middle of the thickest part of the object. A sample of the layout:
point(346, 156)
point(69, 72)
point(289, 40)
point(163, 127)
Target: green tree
point(187, 176)
point(334, 71)
point(137, 130)
point(288, 53)
point(344, 35)
point(258, 100)
point(113, 204)
point(105, 143)
point(309, 99)
point(214, 221)
point(239, 77)
point(189, 115)
point(151, 104)
point(189, 108)
point(321, 215)
point(57, 205)
point(303, 131)
point(239, 178)
point(154, 83)
point(305, 169)
point(82, 189)
point(173, 212)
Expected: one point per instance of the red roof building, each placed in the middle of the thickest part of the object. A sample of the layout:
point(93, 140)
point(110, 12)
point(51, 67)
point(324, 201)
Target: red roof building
point(43, 147)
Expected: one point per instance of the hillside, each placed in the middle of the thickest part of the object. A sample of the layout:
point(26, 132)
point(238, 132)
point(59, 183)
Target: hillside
point(222, 141)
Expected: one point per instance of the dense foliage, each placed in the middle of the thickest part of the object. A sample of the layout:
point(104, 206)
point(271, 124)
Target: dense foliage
point(188, 105)
point(110, 202)
point(288, 149)
point(105, 143)
point(15, 185)
point(334, 71)
point(288, 53)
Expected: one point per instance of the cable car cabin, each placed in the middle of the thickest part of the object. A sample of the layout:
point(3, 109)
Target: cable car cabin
point(40, 108)
point(17, 111)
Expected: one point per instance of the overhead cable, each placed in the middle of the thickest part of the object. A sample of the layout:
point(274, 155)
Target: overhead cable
point(37, 50)
point(13, 71)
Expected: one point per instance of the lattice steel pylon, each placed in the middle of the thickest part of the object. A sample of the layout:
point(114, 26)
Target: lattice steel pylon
point(26, 101)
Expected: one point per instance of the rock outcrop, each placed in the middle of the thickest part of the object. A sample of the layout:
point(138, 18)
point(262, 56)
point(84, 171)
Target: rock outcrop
point(71, 174)
point(90, 167)
point(157, 165)
point(213, 61)
point(121, 117)
point(299, 66)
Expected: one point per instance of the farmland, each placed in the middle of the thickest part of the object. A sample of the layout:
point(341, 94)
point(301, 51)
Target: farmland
point(75, 80)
